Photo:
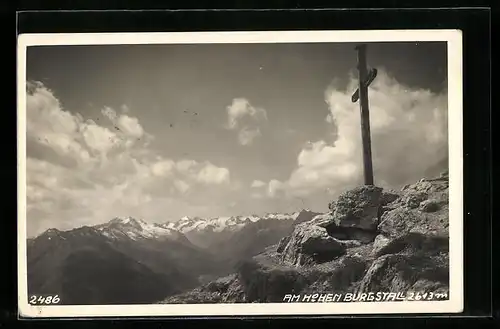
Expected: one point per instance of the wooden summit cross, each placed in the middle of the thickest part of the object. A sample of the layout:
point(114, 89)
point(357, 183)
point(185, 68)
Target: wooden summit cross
point(365, 79)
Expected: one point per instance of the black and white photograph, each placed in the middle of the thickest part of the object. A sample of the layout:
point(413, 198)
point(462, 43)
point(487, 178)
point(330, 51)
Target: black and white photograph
point(240, 173)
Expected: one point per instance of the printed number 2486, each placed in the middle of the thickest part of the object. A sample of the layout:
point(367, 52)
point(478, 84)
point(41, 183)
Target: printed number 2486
point(47, 300)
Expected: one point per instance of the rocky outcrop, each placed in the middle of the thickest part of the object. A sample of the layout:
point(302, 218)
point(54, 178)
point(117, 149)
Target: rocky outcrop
point(224, 290)
point(358, 208)
point(422, 207)
point(412, 262)
point(371, 240)
point(305, 216)
point(311, 243)
point(402, 236)
point(353, 221)
point(283, 243)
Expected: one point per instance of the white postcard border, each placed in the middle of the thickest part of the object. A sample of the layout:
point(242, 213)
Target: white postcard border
point(455, 140)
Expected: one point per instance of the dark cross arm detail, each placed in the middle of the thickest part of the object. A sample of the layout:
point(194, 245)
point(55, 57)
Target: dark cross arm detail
point(371, 76)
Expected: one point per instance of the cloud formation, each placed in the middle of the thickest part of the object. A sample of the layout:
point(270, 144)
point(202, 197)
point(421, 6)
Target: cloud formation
point(246, 119)
point(82, 173)
point(128, 125)
point(275, 188)
point(258, 183)
point(409, 137)
point(247, 135)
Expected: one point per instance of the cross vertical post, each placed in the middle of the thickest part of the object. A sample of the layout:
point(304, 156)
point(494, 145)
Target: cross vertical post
point(365, 115)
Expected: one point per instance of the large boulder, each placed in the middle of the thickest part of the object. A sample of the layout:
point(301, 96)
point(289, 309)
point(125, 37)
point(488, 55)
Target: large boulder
point(311, 243)
point(389, 196)
point(422, 208)
point(411, 243)
point(323, 220)
point(262, 283)
point(380, 242)
point(398, 221)
point(359, 208)
point(342, 233)
point(413, 262)
point(352, 221)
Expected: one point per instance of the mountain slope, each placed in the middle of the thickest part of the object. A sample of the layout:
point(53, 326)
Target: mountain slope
point(123, 261)
point(372, 241)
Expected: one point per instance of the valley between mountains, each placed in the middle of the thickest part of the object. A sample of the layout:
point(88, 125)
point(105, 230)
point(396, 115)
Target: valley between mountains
point(372, 239)
point(128, 260)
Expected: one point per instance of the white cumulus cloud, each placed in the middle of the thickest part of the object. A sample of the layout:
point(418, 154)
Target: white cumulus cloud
point(247, 135)
point(130, 126)
point(211, 174)
point(246, 119)
point(163, 168)
point(408, 133)
point(275, 188)
point(258, 183)
point(79, 172)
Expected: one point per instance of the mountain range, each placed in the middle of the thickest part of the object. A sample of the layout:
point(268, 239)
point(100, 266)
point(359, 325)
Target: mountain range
point(129, 260)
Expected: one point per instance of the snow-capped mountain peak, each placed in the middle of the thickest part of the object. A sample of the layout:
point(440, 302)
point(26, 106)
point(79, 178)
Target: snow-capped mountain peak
point(52, 232)
point(136, 229)
point(225, 223)
point(127, 221)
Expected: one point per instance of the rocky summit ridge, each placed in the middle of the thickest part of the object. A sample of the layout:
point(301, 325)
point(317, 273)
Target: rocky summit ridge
point(371, 240)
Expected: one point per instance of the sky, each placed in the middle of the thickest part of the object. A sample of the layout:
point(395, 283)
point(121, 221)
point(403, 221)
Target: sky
point(160, 132)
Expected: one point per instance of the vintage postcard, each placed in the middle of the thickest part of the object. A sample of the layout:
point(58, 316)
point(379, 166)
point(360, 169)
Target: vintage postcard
point(240, 173)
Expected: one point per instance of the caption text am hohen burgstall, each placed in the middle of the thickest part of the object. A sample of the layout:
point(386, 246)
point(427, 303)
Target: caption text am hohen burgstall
point(364, 297)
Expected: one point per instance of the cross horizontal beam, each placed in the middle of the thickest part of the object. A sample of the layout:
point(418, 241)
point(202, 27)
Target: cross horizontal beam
point(371, 76)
